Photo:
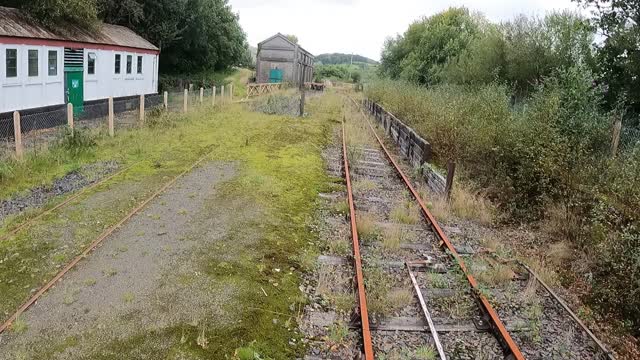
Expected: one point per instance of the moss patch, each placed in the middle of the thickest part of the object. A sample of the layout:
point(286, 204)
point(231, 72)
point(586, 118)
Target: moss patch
point(281, 174)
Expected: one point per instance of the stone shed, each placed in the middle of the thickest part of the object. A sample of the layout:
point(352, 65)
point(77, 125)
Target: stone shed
point(281, 60)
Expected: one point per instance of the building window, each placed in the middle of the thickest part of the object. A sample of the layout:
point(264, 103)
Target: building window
point(139, 64)
point(91, 63)
point(33, 63)
point(53, 63)
point(11, 61)
point(118, 57)
point(129, 63)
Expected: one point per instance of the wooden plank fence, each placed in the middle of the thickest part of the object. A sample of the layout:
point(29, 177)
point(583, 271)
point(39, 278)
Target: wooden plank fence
point(260, 89)
point(416, 149)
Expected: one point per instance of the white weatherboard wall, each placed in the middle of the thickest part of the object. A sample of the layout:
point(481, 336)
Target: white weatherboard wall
point(107, 83)
point(24, 92)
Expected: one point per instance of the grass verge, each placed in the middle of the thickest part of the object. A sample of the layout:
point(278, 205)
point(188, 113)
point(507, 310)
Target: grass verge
point(281, 173)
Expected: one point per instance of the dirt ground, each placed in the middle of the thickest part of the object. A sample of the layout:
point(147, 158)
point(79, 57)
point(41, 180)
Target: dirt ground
point(210, 269)
point(142, 278)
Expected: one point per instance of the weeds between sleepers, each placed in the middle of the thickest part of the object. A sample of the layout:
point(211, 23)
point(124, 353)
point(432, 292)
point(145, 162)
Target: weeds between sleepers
point(403, 213)
point(499, 274)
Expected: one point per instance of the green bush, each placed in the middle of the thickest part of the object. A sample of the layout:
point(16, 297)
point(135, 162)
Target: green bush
point(76, 141)
point(553, 148)
point(524, 155)
point(517, 106)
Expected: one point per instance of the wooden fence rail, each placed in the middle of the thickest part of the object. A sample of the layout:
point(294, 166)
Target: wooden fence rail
point(260, 89)
point(413, 146)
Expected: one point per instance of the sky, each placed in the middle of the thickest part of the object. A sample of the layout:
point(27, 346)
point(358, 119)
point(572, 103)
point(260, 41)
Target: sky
point(361, 26)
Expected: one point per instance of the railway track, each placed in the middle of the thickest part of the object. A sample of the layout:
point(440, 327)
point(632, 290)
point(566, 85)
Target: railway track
point(416, 295)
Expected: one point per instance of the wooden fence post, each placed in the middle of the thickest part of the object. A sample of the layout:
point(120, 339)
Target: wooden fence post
point(141, 110)
point(615, 141)
point(166, 100)
point(222, 94)
point(451, 170)
point(186, 101)
point(213, 101)
point(70, 116)
point(231, 92)
point(302, 101)
point(17, 134)
point(111, 132)
point(201, 95)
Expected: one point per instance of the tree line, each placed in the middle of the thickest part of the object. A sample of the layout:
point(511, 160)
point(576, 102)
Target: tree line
point(339, 58)
point(456, 46)
point(194, 35)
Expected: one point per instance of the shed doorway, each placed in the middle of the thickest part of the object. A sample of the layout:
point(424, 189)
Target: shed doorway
point(74, 78)
point(275, 75)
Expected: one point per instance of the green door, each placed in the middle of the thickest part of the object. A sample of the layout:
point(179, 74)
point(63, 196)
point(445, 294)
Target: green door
point(275, 76)
point(75, 89)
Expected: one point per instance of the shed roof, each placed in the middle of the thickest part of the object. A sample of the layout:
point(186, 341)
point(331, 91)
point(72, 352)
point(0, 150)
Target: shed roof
point(15, 24)
point(280, 35)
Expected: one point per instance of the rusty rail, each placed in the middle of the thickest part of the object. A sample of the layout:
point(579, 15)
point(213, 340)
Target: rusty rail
point(510, 347)
point(30, 221)
point(92, 246)
point(566, 307)
point(362, 297)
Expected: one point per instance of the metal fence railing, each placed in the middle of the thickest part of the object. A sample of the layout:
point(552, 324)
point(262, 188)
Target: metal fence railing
point(40, 129)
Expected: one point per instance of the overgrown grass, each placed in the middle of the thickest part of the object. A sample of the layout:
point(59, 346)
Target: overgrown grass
point(464, 204)
point(546, 157)
point(405, 212)
point(281, 172)
point(366, 226)
point(393, 237)
point(382, 299)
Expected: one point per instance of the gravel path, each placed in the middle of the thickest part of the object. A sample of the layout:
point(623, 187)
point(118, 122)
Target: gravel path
point(71, 182)
point(141, 278)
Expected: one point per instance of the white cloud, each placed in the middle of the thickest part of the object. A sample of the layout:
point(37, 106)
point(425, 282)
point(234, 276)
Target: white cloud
point(361, 26)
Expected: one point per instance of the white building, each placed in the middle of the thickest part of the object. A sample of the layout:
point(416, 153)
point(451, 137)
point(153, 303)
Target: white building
point(40, 67)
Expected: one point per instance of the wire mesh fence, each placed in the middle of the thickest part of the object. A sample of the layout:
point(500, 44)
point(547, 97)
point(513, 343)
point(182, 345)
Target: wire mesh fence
point(93, 117)
point(41, 128)
point(126, 113)
point(7, 145)
point(175, 101)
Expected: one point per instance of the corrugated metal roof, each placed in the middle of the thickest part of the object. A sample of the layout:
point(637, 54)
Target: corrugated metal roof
point(14, 23)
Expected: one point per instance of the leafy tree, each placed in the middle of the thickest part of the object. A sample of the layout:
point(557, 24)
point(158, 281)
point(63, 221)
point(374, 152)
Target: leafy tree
point(338, 58)
point(425, 48)
point(54, 12)
point(338, 72)
point(535, 48)
point(342, 72)
point(356, 76)
point(193, 34)
point(292, 38)
point(482, 62)
point(523, 52)
point(619, 53)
